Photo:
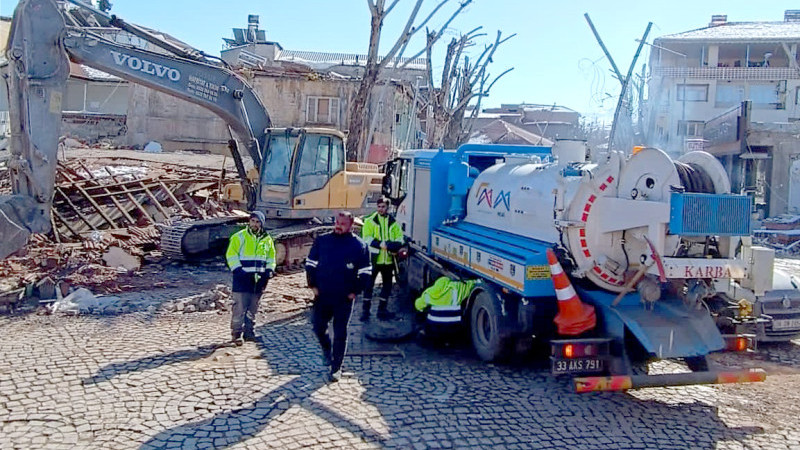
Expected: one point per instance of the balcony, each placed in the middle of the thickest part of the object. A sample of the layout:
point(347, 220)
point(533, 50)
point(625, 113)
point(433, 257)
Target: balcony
point(728, 73)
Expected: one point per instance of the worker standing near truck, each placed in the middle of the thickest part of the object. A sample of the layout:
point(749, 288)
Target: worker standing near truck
point(338, 269)
point(383, 235)
point(251, 258)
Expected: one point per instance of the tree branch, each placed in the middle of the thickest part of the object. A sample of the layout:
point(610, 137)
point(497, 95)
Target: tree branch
point(441, 30)
point(405, 36)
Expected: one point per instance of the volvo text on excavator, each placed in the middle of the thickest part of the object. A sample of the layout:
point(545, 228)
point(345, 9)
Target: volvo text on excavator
point(302, 176)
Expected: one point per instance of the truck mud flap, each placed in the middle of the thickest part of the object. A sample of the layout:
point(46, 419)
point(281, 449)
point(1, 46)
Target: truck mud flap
point(667, 329)
point(625, 382)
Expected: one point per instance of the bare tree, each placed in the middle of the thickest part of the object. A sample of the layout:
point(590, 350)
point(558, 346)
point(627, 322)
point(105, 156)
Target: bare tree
point(462, 82)
point(357, 140)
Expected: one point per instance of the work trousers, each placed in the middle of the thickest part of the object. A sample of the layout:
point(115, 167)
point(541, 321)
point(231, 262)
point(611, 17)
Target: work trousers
point(386, 271)
point(243, 315)
point(338, 309)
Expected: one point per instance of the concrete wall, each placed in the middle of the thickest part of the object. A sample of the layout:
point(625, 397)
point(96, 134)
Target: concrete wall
point(177, 124)
point(781, 139)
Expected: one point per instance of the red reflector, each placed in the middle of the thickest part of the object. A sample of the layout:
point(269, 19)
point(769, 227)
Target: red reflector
point(569, 351)
point(741, 344)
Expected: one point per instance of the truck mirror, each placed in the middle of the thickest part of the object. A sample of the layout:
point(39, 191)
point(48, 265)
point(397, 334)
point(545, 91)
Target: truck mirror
point(388, 185)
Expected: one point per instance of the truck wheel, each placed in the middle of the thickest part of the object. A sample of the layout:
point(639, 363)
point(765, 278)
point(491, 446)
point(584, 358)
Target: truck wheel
point(697, 363)
point(485, 328)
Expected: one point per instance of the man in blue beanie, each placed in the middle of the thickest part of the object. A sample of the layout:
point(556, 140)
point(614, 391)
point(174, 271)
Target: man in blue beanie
point(251, 258)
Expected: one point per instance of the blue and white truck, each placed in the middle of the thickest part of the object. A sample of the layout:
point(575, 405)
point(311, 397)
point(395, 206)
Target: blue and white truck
point(646, 240)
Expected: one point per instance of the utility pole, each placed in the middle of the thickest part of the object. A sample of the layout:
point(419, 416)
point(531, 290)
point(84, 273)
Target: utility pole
point(624, 81)
point(625, 85)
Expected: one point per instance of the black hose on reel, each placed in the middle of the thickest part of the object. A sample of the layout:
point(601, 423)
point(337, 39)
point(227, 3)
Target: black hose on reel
point(694, 178)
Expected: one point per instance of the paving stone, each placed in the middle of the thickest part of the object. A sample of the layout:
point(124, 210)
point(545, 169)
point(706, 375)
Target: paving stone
point(144, 380)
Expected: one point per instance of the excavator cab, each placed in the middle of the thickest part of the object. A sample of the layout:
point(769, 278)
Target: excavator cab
point(304, 173)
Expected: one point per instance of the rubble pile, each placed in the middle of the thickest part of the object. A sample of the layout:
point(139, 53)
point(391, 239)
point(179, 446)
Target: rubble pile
point(104, 219)
point(781, 233)
point(71, 264)
point(215, 299)
point(122, 196)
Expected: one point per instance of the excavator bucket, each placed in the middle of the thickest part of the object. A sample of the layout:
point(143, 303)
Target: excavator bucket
point(37, 77)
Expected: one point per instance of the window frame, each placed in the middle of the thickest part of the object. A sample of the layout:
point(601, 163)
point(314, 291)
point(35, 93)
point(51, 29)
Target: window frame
point(696, 125)
point(312, 110)
point(681, 89)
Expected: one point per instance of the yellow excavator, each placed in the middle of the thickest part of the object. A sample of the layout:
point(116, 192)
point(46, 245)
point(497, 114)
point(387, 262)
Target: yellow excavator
point(302, 178)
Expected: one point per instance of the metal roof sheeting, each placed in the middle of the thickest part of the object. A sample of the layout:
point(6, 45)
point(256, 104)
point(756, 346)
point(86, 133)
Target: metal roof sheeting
point(89, 73)
point(347, 59)
point(740, 32)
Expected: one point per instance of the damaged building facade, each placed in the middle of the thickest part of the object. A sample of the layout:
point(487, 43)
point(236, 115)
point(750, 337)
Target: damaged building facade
point(525, 124)
point(299, 89)
point(733, 89)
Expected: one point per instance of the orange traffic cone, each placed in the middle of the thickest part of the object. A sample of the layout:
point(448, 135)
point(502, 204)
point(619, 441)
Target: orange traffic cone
point(574, 317)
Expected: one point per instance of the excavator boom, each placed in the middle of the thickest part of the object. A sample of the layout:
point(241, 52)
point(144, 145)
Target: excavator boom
point(37, 77)
point(39, 49)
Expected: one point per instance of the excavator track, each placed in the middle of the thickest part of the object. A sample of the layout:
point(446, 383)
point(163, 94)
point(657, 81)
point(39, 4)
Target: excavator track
point(203, 239)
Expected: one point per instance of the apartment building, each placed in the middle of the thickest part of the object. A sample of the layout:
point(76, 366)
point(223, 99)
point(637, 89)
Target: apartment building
point(733, 89)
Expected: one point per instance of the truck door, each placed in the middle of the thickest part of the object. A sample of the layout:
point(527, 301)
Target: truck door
point(339, 186)
point(311, 187)
point(277, 169)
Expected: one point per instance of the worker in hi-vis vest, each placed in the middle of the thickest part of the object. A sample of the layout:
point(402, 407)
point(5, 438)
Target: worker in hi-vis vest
point(441, 304)
point(383, 235)
point(251, 258)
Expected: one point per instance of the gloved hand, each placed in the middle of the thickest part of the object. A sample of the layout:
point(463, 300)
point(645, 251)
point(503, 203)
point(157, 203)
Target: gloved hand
point(375, 243)
point(269, 274)
point(393, 247)
point(261, 284)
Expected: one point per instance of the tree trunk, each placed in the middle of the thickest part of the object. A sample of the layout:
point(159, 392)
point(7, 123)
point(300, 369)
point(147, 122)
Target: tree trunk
point(356, 140)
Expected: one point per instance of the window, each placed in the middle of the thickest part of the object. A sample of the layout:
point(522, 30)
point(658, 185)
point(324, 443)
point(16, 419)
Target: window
point(323, 110)
point(321, 157)
point(729, 95)
point(690, 128)
point(337, 156)
point(692, 92)
point(766, 96)
point(278, 161)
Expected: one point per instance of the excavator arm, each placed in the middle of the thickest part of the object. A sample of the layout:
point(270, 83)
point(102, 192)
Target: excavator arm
point(39, 49)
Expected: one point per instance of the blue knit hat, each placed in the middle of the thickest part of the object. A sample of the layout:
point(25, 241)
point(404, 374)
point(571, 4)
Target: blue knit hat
point(260, 216)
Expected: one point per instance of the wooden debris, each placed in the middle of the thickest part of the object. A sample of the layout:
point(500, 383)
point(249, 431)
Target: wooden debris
point(104, 219)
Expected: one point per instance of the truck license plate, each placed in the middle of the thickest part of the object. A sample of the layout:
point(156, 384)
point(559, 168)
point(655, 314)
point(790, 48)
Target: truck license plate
point(785, 324)
point(582, 365)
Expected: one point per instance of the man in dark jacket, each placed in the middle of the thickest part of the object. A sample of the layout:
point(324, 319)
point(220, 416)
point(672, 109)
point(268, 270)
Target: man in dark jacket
point(251, 258)
point(338, 268)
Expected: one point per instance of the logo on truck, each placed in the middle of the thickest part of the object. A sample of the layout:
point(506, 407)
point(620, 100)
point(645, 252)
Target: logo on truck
point(143, 65)
point(485, 194)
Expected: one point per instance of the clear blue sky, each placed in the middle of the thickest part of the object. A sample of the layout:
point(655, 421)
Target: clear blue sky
point(555, 56)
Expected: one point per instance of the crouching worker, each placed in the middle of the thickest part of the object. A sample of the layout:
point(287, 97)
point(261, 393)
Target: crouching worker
point(251, 258)
point(441, 306)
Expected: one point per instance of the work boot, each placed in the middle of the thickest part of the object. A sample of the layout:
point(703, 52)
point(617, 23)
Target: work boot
point(383, 311)
point(336, 375)
point(366, 310)
point(236, 339)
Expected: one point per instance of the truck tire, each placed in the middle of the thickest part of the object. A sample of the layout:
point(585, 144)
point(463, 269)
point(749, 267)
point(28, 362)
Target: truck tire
point(485, 328)
point(697, 363)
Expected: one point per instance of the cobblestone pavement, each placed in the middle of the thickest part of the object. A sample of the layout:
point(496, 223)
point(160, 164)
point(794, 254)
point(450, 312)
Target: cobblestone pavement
point(160, 380)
